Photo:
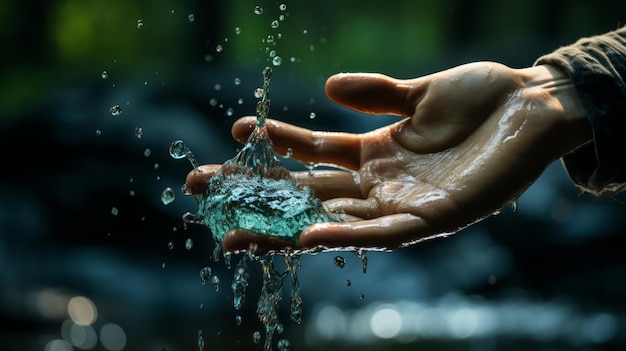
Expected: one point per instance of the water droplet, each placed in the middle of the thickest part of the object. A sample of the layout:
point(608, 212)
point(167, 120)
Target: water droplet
point(178, 150)
point(238, 320)
point(193, 218)
point(167, 196)
point(258, 9)
point(139, 24)
point(114, 211)
point(205, 274)
point(115, 110)
point(340, 261)
point(311, 47)
point(275, 24)
point(514, 205)
point(98, 132)
point(138, 132)
point(200, 338)
point(348, 282)
point(305, 31)
point(237, 30)
point(215, 281)
point(276, 61)
point(229, 111)
point(312, 115)
point(289, 152)
point(163, 265)
point(361, 296)
point(256, 336)
point(237, 81)
point(213, 102)
point(272, 53)
point(292, 59)
point(258, 93)
point(240, 101)
point(219, 48)
point(279, 328)
point(208, 58)
point(147, 152)
point(283, 345)
point(282, 7)
point(217, 86)
point(104, 75)
point(188, 244)
point(191, 17)
point(170, 245)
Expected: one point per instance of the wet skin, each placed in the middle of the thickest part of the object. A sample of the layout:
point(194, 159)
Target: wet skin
point(469, 141)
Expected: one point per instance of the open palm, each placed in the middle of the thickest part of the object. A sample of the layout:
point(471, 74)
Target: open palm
point(476, 137)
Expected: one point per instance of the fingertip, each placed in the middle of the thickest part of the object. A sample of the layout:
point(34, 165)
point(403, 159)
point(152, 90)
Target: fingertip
point(372, 93)
point(198, 177)
point(242, 128)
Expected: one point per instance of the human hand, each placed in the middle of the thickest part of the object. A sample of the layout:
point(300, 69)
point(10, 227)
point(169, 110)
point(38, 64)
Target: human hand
point(476, 137)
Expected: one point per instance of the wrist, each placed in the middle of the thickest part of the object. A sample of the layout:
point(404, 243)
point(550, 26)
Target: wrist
point(558, 104)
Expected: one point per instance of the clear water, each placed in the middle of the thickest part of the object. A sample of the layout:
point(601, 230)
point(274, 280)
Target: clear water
point(254, 191)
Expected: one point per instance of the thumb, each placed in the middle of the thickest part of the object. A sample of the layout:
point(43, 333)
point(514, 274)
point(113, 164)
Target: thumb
point(375, 93)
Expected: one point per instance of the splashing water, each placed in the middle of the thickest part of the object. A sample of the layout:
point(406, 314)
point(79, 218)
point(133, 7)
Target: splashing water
point(254, 191)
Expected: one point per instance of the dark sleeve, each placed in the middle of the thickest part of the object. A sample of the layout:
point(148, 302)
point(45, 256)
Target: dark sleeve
point(597, 67)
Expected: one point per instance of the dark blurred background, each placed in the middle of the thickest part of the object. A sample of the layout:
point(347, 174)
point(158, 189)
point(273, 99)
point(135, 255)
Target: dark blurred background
point(92, 259)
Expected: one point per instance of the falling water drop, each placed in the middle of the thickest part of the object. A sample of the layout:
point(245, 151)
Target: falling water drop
point(276, 61)
point(258, 93)
point(282, 7)
point(312, 115)
point(188, 244)
point(205, 274)
point(138, 132)
point(283, 345)
point(258, 9)
point(139, 24)
point(104, 75)
point(340, 261)
point(215, 281)
point(200, 341)
point(191, 17)
point(170, 245)
point(238, 320)
point(275, 24)
point(179, 150)
point(256, 336)
point(167, 196)
point(115, 110)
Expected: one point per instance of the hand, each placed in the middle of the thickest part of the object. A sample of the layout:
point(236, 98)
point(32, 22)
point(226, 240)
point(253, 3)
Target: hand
point(478, 135)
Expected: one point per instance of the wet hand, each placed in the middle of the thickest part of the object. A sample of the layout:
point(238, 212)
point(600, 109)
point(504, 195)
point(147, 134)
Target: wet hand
point(472, 139)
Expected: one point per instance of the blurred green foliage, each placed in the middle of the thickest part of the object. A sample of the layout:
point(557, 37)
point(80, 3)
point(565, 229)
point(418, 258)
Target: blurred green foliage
point(47, 44)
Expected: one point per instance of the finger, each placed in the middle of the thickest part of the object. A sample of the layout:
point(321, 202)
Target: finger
point(240, 240)
point(329, 184)
point(383, 233)
point(375, 93)
point(366, 209)
point(305, 145)
point(198, 178)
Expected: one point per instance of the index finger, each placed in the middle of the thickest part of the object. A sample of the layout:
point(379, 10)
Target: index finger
point(305, 145)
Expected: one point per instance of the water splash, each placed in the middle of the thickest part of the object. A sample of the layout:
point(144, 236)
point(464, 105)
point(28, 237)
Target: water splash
point(254, 191)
